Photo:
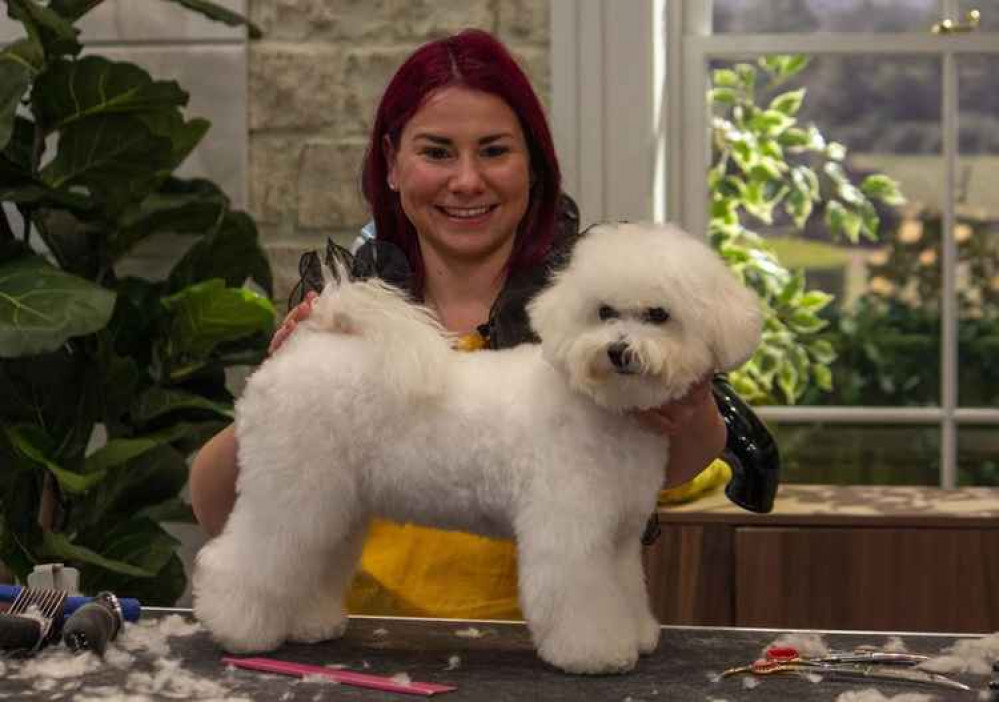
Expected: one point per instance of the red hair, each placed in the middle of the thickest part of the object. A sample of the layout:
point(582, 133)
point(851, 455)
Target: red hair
point(476, 60)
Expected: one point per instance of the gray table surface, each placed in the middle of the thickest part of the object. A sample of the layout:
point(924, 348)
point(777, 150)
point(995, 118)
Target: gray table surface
point(497, 664)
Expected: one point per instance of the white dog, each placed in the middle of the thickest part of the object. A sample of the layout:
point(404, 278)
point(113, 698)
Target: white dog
point(367, 411)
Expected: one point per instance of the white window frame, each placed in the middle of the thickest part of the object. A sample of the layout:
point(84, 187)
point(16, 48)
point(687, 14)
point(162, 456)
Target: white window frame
point(655, 167)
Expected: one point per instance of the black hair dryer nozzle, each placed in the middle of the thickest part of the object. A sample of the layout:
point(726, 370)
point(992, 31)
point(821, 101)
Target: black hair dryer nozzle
point(750, 451)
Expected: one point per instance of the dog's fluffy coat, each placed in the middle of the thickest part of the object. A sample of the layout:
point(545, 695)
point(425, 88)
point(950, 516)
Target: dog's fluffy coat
point(367, 411)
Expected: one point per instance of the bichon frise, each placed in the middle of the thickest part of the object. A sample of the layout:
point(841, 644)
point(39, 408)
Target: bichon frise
point(368, 411)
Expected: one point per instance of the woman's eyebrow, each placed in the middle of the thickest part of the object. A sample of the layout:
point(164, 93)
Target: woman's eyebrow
point(446, 141)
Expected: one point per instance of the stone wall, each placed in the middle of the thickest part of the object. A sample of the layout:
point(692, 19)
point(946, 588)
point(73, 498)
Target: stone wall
point(314, 82)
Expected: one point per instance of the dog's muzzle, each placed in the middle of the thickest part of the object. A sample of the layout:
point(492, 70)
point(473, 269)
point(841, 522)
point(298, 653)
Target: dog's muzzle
point(622, 358)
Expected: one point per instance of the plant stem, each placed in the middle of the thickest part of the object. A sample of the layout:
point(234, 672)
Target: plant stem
point(48, 503)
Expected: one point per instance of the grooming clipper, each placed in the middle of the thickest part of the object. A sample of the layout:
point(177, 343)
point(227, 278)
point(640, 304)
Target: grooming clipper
point(94, 625)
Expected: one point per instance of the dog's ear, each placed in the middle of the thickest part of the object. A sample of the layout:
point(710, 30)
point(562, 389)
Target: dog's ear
point(735, 322)
point(543, 311)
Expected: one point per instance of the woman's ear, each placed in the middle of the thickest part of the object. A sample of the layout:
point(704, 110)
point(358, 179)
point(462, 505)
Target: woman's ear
point(390, 158)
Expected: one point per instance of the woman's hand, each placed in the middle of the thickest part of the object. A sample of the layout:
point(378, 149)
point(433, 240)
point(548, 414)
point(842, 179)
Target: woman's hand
point(300, 312)
point(671, 418)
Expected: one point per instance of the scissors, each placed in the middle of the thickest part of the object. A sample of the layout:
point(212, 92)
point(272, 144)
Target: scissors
point(879, 665)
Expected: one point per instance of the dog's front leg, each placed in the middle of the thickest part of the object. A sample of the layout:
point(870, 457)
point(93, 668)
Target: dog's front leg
point(575, 606)
point(632, 576)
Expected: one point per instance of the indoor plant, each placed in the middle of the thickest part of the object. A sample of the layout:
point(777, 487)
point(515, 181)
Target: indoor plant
point(106, 382)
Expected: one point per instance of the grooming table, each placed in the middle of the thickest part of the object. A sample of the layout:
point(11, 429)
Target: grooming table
point(484, 660)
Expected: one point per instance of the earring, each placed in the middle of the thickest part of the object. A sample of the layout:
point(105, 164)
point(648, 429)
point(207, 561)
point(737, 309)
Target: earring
point(392, 186)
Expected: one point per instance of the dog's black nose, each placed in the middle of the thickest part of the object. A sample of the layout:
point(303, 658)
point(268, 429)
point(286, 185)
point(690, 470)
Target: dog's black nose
point(618, 354)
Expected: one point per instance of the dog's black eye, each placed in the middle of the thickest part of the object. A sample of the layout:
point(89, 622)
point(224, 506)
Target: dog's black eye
point(607, 312)
point(656, 315)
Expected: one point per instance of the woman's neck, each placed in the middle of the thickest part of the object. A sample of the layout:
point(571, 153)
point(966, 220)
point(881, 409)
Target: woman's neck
point(462, 293)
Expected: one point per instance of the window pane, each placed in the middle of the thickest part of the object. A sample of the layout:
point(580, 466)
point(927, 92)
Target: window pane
point(977, 231)
point(978, 455)
point(782, 16)
point(858, 454)
point(870, 123)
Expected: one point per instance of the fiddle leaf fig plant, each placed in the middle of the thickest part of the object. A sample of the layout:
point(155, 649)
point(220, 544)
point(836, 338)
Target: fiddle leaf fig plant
point(768, 168)
point(109, 381)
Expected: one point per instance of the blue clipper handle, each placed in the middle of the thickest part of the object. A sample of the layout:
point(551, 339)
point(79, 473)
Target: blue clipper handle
point(130, 607)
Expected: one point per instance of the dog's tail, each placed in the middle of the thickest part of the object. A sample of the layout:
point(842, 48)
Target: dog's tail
point(409, 345)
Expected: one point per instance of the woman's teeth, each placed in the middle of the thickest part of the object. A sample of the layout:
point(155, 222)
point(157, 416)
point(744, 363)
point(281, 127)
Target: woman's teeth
point(465, 212)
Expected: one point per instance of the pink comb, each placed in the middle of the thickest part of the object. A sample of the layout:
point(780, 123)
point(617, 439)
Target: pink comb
point(344, 677)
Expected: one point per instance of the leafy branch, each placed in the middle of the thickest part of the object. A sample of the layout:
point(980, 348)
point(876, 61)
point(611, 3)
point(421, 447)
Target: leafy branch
point(768, 169)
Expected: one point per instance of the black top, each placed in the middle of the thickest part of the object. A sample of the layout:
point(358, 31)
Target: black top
point(508, 324)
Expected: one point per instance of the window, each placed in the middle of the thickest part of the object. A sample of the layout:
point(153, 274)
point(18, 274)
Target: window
point(914, 317)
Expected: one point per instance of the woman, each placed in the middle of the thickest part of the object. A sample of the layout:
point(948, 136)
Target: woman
point(464, 188)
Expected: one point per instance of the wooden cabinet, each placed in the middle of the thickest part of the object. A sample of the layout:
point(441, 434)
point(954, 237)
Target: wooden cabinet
point(827, 557)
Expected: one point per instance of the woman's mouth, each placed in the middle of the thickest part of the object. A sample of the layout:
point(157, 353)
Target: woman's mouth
point(466, 213)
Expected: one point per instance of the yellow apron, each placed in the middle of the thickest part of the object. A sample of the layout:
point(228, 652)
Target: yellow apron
point(414, 571)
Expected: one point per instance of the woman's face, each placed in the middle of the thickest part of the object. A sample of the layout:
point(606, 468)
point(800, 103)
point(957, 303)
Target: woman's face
point(462, 170)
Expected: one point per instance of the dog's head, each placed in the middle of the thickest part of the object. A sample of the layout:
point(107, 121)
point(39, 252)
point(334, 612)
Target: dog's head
point(641, 312)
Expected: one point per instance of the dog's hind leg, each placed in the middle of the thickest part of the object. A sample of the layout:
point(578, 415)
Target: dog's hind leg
point(321, 615)
point(573, 601)
point(632, 578)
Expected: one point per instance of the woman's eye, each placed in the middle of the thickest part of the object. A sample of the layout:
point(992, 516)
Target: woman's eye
point(607, 312)
point(435, 153)
point(495, 151)
point(656, 315)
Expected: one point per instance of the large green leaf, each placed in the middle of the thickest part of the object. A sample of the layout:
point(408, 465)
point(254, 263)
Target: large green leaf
point(232, 252)
point(179, 207)
point(183, 135)
point(19, 64)
point(220, 14)
point(58, 391)
point(69, 91)
point(75, 243)
point(158, 401)
point(73, 9)
point(116, 453)
point(28, 441)
point(45, 26)
point(31, 192)
point(208, 314)
point(116, 157)
point(149, 479)
point(41, 307)
point(60, 547)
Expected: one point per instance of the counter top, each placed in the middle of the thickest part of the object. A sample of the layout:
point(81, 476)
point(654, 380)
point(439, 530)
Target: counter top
point(169, 656)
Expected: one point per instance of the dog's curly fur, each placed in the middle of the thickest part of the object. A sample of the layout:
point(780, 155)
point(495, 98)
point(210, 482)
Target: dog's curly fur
point(367, 411)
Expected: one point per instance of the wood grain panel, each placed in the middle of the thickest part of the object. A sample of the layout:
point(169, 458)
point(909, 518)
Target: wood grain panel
point(940, 580)
point(689, 572)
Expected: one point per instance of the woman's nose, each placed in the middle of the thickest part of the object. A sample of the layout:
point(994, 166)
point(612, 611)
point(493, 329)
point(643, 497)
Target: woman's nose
point(466, 176)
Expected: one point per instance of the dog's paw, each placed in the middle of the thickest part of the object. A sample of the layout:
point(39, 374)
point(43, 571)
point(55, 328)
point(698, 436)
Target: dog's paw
point(590, 656)
point(240, 619)
point(318, 628)
point(648, 635)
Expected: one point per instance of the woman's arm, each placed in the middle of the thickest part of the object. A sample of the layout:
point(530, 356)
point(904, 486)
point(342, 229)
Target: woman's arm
point(696, 429)
point(212, 481)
